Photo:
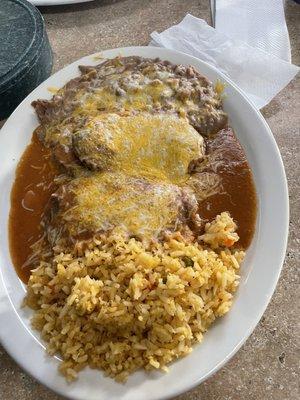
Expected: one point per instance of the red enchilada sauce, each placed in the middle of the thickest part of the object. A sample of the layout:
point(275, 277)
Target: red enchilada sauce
point(237, 194)
point(30, 193)
point(34, 184)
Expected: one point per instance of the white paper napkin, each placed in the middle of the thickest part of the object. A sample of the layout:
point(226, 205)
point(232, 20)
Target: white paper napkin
point(259, 74)
point(259, 23)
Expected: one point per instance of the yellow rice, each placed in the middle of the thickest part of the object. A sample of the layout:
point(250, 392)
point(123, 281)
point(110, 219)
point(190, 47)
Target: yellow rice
point(121, 305)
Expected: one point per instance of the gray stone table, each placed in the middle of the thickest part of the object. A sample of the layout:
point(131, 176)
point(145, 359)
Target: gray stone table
point(267, 366)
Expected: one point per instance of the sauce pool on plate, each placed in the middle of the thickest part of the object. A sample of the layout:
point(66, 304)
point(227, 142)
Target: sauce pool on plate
point(31, 191)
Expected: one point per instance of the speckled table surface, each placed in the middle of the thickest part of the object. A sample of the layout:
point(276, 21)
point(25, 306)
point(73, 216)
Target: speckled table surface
point(267, 366)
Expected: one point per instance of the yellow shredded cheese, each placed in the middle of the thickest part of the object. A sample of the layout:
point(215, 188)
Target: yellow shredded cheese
point(160, 146)
point(138, 205)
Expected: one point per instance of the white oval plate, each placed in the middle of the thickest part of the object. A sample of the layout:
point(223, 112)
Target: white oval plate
point(259, 273)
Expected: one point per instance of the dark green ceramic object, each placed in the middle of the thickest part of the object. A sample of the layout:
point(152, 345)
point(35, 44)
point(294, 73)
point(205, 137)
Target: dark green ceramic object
point(25, 53)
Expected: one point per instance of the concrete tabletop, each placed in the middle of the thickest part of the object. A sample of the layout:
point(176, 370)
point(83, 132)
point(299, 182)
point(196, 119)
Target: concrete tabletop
point(267, 366)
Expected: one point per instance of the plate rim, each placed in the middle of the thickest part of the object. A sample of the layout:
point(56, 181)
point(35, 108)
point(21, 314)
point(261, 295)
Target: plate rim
point(188, 385)
point(49, 3)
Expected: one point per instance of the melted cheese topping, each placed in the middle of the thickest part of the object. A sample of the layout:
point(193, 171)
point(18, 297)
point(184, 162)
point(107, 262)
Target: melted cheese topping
point(160, 146)
point(140, 94)
point(143, 158)
point(105, 200)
